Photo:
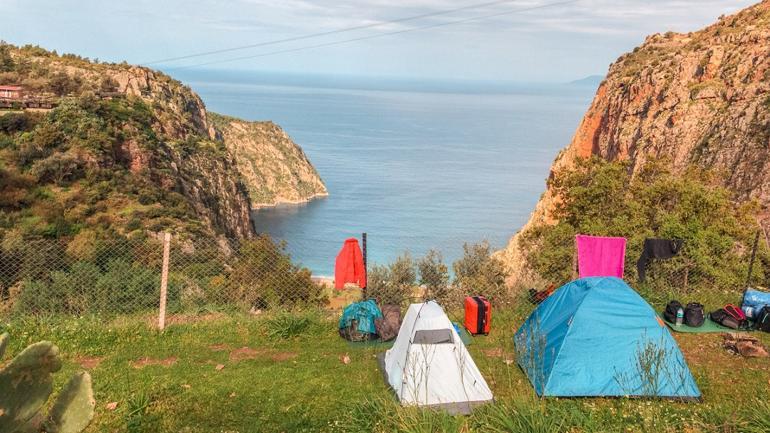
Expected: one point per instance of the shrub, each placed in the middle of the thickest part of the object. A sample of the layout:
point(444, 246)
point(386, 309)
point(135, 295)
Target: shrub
point(378, 284)
point(6, 61)
point(125, 288)
point(63, 84)
point(403, 278)
point(264, 274)
point(477, 272)
point(59, 168)
point(292, 324)
point(434, 275)
point(11, 123)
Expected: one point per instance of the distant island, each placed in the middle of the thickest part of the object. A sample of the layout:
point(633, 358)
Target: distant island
point(589, 81)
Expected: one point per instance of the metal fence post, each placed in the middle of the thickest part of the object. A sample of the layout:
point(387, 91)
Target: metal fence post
point(164, 281)
point(366, 274)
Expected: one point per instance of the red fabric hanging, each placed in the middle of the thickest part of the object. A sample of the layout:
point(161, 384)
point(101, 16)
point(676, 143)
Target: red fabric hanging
point(349, 266)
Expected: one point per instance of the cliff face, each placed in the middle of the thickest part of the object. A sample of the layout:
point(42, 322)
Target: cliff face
point(273, 168)
point(159, 131)
point(692, 99)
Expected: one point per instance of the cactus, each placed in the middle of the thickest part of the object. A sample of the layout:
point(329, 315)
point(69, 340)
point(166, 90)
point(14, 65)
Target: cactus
point(27, 382)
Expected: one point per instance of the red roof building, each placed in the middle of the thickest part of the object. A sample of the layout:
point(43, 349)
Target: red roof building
point(11, 92)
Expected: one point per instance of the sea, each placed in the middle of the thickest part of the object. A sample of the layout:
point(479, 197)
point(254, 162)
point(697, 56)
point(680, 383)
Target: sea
point(416, 165)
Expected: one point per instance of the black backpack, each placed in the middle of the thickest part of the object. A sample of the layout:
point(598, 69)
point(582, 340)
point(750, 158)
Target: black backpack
point(670, 312)
point(725, 319)
point(693, 315)
point(762, 319)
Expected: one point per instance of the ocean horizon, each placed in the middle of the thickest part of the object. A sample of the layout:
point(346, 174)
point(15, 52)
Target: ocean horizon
point(415, 168)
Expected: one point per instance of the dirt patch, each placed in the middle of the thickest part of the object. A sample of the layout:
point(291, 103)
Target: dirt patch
point(283, 356)
point(144, 362)
point(245, 353)
point(89, 362)
point(219, 347)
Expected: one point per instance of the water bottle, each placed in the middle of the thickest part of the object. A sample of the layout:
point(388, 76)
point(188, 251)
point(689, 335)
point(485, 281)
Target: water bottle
point(679, 316)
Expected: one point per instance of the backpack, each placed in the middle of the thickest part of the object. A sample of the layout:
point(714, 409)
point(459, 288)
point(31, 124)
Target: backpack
point(736, 313)
point(670, 312)
point(724, 318)
point(762, 319)
point(389, 324)
point(694, 315)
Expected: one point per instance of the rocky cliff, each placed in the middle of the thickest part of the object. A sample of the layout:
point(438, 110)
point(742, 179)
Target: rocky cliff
point(115, 117)
point(701, 98)
point(273, 168)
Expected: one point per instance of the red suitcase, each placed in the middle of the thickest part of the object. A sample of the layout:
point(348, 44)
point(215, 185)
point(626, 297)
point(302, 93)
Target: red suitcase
point(478, 315)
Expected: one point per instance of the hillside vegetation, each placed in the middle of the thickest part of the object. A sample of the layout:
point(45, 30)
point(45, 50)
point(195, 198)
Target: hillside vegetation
point(693, 102)
point(126, 153)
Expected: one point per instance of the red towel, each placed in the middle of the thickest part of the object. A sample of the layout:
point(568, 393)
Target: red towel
point(349, 266)
point(600, 256)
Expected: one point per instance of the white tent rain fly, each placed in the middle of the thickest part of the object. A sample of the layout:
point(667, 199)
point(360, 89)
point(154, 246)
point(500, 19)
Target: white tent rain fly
point(429, 366)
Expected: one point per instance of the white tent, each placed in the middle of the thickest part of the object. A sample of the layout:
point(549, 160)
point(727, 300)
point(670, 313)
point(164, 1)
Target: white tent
point(429, 365)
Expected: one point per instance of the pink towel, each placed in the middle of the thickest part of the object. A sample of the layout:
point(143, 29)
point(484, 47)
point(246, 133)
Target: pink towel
point(600, 256)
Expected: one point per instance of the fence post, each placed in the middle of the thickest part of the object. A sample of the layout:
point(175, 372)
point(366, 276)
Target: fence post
point(366, 273)
point(164, 281)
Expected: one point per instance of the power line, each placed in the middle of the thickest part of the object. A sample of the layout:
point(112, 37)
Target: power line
point(378, 35)
point(329, 32)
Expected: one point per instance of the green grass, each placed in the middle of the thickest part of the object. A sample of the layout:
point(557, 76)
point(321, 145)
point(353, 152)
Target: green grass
point(295, 381)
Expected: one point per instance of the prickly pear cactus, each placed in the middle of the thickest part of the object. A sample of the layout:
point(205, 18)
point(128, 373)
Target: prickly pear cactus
point(27, 382)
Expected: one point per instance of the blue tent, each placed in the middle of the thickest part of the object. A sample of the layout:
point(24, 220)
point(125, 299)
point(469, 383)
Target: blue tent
point(596, 337)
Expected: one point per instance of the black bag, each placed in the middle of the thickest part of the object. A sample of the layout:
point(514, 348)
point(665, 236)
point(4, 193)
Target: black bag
point(670, 312)
point(762, 319)
point(694, 315)
point(723, 318)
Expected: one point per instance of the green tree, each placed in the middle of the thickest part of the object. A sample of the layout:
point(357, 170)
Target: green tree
point(6, 61)
point(264, 275)
point(478, 273)
point(434, 275)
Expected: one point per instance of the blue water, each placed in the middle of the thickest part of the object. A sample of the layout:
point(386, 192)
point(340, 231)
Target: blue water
point(415, 170)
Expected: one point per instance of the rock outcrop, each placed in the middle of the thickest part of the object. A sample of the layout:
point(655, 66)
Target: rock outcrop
point(273, 168)
point(701, 98)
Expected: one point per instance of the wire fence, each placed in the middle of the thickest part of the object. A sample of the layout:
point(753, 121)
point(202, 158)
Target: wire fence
point(183, 276)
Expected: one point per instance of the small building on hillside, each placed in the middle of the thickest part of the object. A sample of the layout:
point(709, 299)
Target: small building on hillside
point(11, 92)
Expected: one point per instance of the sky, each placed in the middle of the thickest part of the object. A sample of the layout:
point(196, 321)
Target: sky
point(556, 42)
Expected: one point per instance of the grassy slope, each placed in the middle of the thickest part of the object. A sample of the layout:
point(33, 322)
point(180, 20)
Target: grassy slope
point(300, 384)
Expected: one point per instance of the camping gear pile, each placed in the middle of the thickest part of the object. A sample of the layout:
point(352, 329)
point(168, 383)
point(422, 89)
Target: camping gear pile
point(754, 314)
point(365, 321)
point(357, 322)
